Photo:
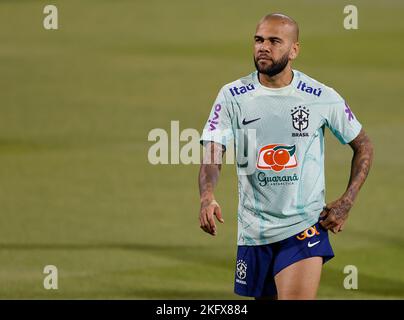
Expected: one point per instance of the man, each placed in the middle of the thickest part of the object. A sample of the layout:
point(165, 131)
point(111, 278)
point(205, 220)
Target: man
point(283, 221)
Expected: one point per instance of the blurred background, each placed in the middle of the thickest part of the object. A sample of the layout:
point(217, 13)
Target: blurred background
point(77, 104)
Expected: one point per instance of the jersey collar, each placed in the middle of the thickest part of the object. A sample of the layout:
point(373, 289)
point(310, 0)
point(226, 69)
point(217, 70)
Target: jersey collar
point(277, 91)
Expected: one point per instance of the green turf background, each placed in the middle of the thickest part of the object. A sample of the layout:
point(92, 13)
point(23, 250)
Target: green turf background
point(76, 107)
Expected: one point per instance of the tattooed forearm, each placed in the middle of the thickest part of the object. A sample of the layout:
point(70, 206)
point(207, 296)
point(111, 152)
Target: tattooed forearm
point(335, 213)
point(361, 163)
point(209, 171)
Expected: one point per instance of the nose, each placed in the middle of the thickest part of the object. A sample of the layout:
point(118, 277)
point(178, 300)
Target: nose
point(265, 46)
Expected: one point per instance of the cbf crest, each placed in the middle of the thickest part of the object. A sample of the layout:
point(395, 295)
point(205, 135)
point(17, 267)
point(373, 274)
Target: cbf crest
point(241, 269)
point(300, 118)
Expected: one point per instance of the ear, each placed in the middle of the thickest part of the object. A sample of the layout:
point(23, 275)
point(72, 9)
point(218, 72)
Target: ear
point(294, 52)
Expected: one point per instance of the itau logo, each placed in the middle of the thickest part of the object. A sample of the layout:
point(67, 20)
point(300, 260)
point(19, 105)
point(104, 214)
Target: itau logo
point(277, 157)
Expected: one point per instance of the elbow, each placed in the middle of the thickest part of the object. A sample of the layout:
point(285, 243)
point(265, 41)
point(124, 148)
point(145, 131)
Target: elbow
point(368, 148)
point(363, 145)
point(371, 149)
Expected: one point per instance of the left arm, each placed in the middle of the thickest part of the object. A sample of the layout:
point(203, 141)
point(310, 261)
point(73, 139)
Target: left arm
point(335, 214)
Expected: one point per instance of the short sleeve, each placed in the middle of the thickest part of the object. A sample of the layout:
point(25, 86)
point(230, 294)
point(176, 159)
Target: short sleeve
point(342, 122)
point(218, 127)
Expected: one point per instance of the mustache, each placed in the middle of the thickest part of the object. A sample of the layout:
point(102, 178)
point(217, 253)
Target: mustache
point(263, 56)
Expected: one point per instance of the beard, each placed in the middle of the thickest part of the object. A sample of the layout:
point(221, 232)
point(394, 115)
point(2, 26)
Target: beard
point(276, 67)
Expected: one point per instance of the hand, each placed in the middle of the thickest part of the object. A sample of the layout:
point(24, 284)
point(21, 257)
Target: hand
point(209, 208)
point(335, 215)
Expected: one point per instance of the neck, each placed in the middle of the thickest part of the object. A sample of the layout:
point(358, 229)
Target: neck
point(280, 80)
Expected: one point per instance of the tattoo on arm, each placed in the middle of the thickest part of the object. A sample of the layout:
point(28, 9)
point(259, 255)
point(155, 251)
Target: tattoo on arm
point(361, 163)
point(209, 171)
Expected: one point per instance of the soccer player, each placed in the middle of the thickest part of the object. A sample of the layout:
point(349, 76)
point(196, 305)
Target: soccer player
point(283, 220)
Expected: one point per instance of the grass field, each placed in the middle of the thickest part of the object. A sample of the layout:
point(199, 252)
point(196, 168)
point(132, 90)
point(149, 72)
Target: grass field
point(76, 107)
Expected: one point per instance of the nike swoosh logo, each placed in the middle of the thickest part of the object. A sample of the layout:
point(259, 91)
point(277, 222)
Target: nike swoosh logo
point(312, 244)
point(247, 122)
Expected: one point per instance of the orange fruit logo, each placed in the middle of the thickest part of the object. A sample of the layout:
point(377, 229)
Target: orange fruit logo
point(277, 157)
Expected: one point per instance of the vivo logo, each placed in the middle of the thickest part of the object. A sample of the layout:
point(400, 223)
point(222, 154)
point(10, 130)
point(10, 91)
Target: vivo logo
point(214, 121)
point(302, 86)
point(241, 90)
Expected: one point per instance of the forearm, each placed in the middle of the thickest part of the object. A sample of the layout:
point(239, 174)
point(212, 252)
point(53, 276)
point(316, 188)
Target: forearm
point(209, 171)
point(208, 178)
point(360, 166)
point(336, 212)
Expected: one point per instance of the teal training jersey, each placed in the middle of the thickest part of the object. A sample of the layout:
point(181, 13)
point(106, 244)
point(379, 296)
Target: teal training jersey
point(280, 132)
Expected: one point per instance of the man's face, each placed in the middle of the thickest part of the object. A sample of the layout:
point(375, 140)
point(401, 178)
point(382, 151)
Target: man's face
point(274, 46)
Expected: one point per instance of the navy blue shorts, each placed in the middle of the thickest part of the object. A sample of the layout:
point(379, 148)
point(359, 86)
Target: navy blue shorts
point(257, 266)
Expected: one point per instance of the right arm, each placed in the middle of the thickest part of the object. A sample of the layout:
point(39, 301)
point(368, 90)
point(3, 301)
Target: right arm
point(208, 178)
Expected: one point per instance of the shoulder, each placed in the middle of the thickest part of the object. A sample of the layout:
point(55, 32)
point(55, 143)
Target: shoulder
point(240, 86)
point(309, 86)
